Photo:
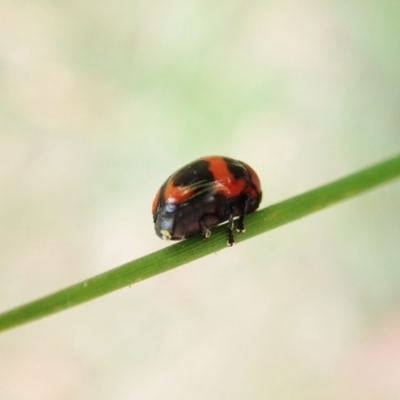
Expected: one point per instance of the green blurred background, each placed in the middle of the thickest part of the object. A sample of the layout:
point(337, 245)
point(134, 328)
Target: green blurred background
point(101, 100)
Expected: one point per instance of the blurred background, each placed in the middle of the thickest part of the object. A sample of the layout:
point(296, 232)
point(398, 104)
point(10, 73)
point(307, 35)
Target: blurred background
point(101, 100)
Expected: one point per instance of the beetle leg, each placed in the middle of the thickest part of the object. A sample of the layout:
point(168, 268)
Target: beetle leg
point(243, 211)
point(231, 225)
point(205, 230)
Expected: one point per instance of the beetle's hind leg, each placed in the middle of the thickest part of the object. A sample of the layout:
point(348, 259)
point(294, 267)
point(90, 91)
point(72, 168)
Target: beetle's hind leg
point(243, 211)
point(231, 225)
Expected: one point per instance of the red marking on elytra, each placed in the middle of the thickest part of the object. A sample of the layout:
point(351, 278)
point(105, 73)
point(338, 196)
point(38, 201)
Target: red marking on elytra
point(254, 177)
point(176, 194)
point(224, 181)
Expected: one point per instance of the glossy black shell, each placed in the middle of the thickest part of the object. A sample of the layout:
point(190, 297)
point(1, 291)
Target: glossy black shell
point(205, 193)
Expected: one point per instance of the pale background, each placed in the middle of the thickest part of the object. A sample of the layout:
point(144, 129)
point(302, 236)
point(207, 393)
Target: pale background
point(101, 100)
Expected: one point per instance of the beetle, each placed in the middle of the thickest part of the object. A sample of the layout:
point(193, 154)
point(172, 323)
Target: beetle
point(203, 194)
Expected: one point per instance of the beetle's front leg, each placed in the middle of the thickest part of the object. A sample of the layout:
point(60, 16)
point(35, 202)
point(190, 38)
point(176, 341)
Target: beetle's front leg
point(205, 230)
point(206, 222)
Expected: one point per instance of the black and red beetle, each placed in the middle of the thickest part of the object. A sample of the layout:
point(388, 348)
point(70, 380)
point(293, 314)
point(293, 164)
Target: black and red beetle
point(203, 194)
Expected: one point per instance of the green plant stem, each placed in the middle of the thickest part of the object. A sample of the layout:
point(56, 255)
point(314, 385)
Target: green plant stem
point(194, 248)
